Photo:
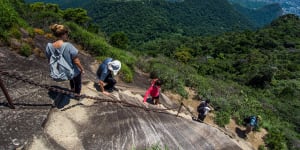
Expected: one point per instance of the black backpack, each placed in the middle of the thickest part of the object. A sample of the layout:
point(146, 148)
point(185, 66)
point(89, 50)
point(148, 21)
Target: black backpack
point(247, 120)
point(201, 107)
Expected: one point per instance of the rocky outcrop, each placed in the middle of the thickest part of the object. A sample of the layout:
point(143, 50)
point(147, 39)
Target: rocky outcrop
point(48, 120)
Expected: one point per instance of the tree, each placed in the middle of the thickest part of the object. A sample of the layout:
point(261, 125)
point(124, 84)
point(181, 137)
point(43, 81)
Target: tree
point(78, 15)
point(119, 40)
point(183, 54)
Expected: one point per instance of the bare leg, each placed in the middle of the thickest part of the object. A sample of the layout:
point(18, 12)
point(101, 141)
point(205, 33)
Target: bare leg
point(155, 101)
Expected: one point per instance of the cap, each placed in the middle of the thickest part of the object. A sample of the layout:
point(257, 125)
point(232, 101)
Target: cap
point(114, 66)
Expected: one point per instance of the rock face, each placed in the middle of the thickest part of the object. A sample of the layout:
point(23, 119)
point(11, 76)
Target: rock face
point(48, 120)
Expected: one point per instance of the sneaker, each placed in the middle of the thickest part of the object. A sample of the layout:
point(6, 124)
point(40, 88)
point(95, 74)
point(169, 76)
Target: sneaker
point(109, 90)
point(115, 89)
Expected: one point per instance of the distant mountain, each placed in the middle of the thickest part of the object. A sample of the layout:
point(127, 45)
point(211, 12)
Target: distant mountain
point(288, 6)
point(261, 16)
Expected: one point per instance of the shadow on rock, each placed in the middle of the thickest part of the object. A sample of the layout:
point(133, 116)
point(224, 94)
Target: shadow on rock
point(60, 100)
point(240, 132)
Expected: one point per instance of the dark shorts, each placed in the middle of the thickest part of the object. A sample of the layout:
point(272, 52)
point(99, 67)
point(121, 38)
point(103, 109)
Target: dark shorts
point(157, 97)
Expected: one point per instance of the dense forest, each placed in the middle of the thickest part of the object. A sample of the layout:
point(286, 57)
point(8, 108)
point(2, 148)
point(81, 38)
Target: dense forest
point(147, 20)
point(243, 72)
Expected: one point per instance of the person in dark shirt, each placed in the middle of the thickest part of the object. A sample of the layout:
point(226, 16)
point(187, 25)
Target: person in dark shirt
point(203, 110)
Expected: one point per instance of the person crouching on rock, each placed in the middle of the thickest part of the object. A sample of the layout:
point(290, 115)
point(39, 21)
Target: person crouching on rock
point(154, 91)
point(105, 74)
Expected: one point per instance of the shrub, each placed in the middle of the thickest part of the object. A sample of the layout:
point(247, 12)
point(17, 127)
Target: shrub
point(222, 118)
point(15, 32)
point(127, 74)
point(183, 56)
point(25, 50)
point(30, 31)
point(39, 31)
point(275, 140)
point(261, 147)
point(49, 35)
point(119, 40)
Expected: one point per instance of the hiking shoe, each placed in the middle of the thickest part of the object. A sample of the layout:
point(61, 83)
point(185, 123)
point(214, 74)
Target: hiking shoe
point(115, 89)
point(109, 90)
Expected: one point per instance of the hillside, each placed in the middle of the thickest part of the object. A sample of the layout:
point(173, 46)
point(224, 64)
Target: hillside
point(243, 73)
point(149, 20)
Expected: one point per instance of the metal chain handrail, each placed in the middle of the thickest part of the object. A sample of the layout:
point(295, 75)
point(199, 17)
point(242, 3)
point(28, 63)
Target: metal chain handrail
point(54, 89)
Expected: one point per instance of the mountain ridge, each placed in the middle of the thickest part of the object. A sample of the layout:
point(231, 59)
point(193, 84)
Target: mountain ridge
point(289, 6)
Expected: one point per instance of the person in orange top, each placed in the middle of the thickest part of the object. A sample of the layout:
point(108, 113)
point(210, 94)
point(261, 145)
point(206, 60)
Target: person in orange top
point(154, 91)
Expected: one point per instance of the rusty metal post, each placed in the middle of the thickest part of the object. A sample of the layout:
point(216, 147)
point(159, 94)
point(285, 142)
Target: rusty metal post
point(179, 109)
point(11, 105)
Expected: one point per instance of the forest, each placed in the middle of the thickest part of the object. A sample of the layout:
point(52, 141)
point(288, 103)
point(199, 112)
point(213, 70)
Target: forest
point(242, 71)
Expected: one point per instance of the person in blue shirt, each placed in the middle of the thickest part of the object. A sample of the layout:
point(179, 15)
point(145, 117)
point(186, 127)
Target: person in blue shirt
point(251, 122)
point(105, 74)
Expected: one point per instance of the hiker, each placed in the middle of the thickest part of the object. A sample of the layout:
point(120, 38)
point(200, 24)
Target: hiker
point(203, 108)
point(251, 122)
point(105, 74)
point(69, 53)
point(154, 91)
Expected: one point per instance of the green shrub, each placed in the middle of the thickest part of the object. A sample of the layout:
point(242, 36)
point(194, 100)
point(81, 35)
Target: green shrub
point(222, 118)
point(261, 147)
point(8, 15)
point(127, 74)
point(30, 31)
point(183, 56)
point(15, 32)
point(25, 50)
point(275, 140)
point(9, 19)
point(119, 40)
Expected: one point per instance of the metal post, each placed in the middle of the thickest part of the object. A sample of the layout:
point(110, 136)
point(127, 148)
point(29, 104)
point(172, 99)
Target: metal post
point(11, 105)
point(179, 109)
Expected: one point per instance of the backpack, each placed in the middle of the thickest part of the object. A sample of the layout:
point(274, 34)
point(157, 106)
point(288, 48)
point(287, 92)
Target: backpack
point(60, 69)
point(247, 120)
point(201, 107)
